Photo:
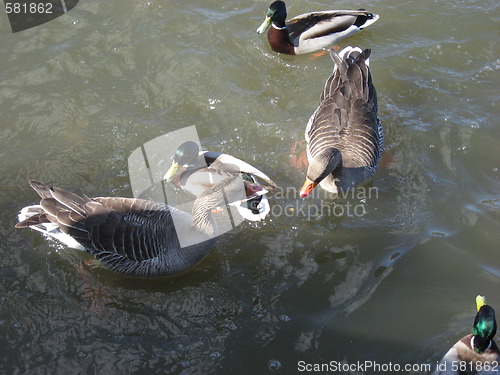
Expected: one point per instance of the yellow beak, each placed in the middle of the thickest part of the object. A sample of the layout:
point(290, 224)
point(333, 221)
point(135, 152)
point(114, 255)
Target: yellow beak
point(265, 25)
point(480, 302)
point(172, 171)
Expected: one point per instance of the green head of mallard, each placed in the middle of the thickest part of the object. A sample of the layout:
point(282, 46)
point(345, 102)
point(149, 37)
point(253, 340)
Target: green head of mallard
point(185, 156)
point(276, 14)
point(485, 326)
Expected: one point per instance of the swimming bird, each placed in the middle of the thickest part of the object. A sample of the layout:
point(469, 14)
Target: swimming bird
point(312, 31)
point(134, 237)
point(344, 136)
point(195, 171)
point(475, 353)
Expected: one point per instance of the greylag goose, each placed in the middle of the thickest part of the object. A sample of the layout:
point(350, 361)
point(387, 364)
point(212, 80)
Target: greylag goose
point(134, 237)
point(344, 136)
point(312, 31)
point(194, 171)
point(475, 353)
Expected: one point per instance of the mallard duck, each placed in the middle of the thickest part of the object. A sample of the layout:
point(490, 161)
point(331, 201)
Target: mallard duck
point(134, 237)
point(195, 171)
point(475, 353)
point(344, 136)
point(313, 31)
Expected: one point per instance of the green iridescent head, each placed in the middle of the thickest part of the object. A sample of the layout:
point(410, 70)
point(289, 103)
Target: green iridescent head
point(185, 155)
point(276, 14)
point(485, 325)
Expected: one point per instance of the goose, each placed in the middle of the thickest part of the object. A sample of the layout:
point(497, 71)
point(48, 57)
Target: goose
point(344, 136)
point(312, 31)
point(134, 237)
point(475, 353)
point(194, 171)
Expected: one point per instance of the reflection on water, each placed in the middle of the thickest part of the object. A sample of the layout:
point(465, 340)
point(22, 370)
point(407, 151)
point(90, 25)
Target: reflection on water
point(393, 283)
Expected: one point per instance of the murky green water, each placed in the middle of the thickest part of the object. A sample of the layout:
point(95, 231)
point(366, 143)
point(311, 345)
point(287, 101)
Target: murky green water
point(395, 284)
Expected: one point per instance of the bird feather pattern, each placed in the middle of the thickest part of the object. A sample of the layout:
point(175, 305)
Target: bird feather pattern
point(346, 121)
point(346, 114)
point(131, 236)
point(325, 23)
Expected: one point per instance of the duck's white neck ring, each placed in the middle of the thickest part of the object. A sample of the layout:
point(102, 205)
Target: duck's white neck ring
point(472, 343)
point(278, 28)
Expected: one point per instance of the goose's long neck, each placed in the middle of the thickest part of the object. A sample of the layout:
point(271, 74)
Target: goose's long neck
point(203, 221)
point(324, 163)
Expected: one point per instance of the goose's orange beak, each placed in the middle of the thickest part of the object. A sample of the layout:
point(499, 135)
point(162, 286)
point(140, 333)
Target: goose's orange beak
point(307, 188)
point(251, 189)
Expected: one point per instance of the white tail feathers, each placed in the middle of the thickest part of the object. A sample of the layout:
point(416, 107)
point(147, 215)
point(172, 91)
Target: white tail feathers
point(49, 230)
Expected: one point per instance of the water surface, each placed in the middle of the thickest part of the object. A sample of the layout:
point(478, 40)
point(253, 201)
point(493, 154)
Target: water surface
point(395, 284)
